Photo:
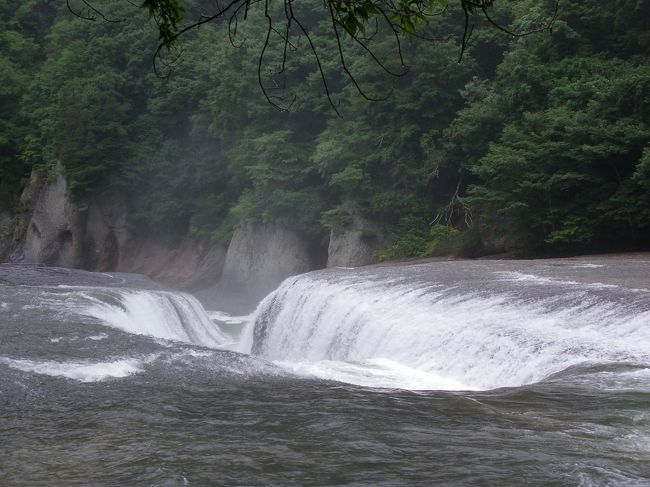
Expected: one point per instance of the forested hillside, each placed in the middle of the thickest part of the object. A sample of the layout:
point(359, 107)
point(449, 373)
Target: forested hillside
point(537, 143)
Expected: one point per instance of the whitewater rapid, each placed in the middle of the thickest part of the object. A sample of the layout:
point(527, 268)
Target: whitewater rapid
point(442, 326)
point(161, 314)
point(88, 333)
point(415, 331)
point(96, 369)
point(82, 371)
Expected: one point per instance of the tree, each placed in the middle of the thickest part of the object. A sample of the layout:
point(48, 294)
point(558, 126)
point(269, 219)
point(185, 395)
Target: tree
point(554, 124)
point(355, 22)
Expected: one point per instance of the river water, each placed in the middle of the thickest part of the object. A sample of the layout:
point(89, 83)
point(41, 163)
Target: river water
point(486, 373)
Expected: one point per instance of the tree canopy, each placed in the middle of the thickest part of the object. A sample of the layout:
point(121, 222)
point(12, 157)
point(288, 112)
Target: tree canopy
point(355, 22)
point(538, 142)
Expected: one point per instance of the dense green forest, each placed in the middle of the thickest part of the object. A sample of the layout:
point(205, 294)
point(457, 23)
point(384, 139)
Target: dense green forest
point(538, 143)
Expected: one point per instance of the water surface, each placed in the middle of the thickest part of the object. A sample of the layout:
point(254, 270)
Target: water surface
point(447, 373)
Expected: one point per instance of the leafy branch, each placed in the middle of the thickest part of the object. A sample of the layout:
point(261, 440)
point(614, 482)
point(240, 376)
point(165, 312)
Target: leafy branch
point(349, 19)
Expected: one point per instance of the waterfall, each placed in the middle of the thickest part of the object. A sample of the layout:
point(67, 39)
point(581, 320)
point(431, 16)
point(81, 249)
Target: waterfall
point(161, 314)
point(382, 330)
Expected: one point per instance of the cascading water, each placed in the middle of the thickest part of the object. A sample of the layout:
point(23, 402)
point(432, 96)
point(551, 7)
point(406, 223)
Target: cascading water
point(108, 379)
point(161, 314)
point(498, 329)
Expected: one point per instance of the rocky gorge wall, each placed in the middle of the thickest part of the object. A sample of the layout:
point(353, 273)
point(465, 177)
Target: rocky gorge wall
point(94, 235)
point(355, 243)
point(260, 256)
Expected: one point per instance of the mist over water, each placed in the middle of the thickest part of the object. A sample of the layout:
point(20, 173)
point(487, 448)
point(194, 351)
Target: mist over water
point(447, 373)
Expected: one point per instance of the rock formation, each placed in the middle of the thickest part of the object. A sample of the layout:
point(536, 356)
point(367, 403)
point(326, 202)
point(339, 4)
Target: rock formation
point(94, 234)
point(259, 258)
point(354, 244)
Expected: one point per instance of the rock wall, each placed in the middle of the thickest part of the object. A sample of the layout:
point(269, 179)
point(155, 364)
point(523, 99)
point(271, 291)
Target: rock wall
point(259, 258)
point(54, 229)
point(190, 265)
point(106, 231)
point(62, 232)
point(94, 235)
point(354, 244)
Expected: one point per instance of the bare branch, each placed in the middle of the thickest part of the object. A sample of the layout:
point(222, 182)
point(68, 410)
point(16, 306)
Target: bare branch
point(402, 17)
point(260, 59)
point(543, 28)
point(89, 15)
point(342, 58)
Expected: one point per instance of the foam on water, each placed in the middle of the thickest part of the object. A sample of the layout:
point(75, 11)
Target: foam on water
point(228, 318)
point(96, 338)
point(82, 371)
point(391, 334)
point(160, 314)
point(379, 373)
point(520, 276)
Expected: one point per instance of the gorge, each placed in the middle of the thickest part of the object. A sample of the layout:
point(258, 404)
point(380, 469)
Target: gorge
point(303, 248)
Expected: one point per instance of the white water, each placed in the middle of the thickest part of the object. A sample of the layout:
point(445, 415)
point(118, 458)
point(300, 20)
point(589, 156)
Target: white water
point(500, 329)
point(160, 314)
point(83, 371)
point(385, 333)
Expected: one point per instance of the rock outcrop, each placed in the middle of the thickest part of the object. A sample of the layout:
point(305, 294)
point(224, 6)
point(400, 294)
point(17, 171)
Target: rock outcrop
point(259, 258)
point(61, 231)
point(106, 231)
point(264, 255)
point(54, 231)
point(94, 235)
point(190, 265)
point(354, 244)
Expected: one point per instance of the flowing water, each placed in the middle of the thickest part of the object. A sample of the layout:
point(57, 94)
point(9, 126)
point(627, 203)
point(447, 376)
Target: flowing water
point(486, 373)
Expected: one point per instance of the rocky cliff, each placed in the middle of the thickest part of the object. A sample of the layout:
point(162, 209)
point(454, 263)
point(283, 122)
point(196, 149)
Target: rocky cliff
point(53, 228)
point(355, 243)
point(190, 265)
point(259, 258)
point(94, 234)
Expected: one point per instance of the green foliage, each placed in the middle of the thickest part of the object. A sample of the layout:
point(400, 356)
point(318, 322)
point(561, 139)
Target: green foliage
point(353, 16)
point(558, 175)
point(19, 50)
point(443, 241)
point(410, 238)
point(544, 136)
point(336, 218)
point(470, 243)
point(168, 15)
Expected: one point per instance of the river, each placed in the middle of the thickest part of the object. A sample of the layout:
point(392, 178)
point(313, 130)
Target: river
point(461, 373)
